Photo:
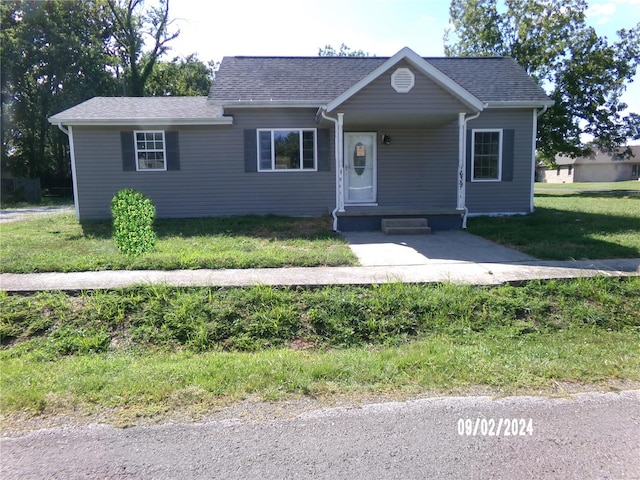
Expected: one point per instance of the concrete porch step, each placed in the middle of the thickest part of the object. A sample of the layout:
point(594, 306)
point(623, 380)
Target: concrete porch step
point(407, 226)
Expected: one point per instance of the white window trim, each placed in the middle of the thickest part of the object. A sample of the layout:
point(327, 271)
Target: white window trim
point(473, 147)
point(273, 153)
point(164, 150)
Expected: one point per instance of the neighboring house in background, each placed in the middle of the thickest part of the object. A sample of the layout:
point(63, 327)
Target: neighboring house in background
point(599, 167)
point(363, 138)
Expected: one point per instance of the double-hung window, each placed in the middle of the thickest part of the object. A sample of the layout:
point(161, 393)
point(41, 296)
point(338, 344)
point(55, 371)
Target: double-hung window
point(287, 149)
point(486, 155)
point(150, 150)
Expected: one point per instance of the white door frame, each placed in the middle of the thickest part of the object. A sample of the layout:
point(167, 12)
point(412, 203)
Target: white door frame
point(348, 167)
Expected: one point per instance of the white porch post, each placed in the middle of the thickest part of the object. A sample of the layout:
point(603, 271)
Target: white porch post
point(340, 161)
point(462, 153)
point(338, 154)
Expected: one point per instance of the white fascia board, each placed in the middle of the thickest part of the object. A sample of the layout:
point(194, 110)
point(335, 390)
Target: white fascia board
point(520, 104)
point(424, 67)
point(143, 121)
point(272, 104)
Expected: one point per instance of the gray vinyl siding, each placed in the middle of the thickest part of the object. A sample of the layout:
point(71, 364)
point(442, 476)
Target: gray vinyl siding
point(380, 98)
point(506, 196)
point(211, 180)
point(418, 169)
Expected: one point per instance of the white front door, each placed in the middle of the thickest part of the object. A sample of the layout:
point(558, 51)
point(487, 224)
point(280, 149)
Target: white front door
point(360, 168)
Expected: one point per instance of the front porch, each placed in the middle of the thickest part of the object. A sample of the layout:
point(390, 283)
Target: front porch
point(399, 138)
point(365, 218)
point(391, 171)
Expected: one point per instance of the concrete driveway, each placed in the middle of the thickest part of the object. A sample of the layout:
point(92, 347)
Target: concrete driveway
point(375, 249)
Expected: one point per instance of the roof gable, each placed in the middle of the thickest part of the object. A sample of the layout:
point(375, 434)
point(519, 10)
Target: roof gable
point(425, 102)
point(424, 67)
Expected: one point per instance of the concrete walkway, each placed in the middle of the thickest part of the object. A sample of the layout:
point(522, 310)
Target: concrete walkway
point(375, 249)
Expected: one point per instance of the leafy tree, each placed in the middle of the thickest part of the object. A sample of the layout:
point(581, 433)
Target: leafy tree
point(181, 77)
point(131, 28)
point(329, 51)
point(53, 56)
point(583, 73)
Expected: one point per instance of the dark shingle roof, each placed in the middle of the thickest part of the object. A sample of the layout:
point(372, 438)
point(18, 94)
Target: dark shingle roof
point(491, 79)
point(140, 109)
point(313, 81)
point(321, 79)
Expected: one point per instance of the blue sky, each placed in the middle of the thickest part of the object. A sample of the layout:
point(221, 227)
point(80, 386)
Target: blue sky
point(214, 29)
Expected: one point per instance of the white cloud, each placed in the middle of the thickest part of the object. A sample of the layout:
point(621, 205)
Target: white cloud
point(601, 12)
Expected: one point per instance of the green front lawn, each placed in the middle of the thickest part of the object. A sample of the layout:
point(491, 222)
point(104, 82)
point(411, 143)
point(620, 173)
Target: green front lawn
point(568, 225)
point(61, 243)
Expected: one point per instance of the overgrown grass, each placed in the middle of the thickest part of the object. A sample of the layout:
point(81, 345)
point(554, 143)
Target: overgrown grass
point(571, 226)
point(60, 243)
point(155, 348)
point(157, 383)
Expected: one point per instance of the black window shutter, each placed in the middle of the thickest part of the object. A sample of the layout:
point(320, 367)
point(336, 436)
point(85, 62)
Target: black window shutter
point(468, 154)
point(507, 154)
point(324, 150)
point(173, 150)
point(250, 150)
point(128, 152)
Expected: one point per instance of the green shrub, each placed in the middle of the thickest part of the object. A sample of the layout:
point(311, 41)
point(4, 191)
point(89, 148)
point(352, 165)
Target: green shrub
point(133, 216)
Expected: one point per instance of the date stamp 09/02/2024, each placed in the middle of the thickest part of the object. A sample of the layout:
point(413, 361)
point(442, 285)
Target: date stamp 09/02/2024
point(491, 427)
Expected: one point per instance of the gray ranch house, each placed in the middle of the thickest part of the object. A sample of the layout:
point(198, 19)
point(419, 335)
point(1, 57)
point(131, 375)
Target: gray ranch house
point(361, 138)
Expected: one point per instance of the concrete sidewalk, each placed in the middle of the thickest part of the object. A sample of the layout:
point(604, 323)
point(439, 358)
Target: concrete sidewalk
point(457, 272)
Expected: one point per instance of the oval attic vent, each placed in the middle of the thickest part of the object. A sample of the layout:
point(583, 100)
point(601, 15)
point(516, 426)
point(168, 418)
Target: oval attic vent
point(402, 80)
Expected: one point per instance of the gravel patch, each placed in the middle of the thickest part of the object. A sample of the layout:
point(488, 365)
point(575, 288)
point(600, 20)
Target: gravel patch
point(15, 214)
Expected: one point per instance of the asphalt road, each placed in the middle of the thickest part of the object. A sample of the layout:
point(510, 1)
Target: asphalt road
point(587, 436)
